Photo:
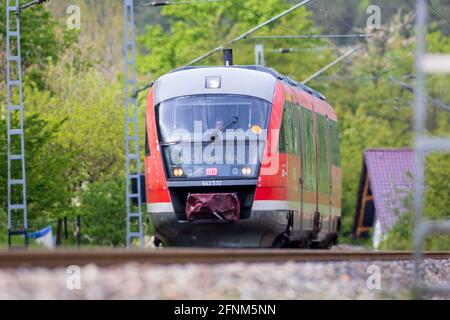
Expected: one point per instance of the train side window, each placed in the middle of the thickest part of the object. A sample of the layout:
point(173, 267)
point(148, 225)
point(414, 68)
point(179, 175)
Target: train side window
point(282, 145)
point(293, 131)
point(309, 149)
point(288, 134)
point(338, 146)
point(324, 173)
point(287, 128)
point(336, 161)
point(301, 140)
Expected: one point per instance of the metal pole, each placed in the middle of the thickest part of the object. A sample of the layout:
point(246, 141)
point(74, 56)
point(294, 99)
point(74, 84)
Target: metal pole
point(66, 231)
point(228, 57)
point(134, 212)
point(78, 231)
point(15, 132)
point(420, 118)
point(259, 55)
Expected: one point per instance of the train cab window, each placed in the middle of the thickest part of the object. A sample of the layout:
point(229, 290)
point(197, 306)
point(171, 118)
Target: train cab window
point(191, 130)
point(147, 146)
point(206, 112)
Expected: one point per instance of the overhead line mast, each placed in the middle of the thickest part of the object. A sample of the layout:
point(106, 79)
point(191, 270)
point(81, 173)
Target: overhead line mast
point(15, 132)
point(132, 149)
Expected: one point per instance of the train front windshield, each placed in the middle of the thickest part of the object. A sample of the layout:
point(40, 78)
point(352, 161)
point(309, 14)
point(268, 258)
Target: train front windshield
point(213, 135)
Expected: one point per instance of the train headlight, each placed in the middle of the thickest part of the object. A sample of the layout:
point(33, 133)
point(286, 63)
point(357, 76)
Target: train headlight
point(213, 82)
point(247, 171)
point(257, 130)
point(178, 172)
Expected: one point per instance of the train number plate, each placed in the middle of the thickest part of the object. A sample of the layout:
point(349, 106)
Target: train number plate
point(211, 183)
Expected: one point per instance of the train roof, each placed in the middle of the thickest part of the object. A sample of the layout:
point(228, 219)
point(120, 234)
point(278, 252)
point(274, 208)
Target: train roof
point(270, 71)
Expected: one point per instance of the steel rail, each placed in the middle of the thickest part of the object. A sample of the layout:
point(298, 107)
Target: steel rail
point(111, 257)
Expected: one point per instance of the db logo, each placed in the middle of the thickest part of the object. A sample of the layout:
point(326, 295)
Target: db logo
point(73, 281)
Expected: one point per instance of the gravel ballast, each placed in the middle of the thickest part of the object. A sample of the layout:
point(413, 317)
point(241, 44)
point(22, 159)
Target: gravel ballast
point(333, 280)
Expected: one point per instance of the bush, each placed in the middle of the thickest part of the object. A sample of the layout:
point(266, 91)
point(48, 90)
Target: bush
point(102, 208)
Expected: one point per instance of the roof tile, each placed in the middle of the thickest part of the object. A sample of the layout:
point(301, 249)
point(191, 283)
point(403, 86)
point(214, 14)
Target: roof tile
point(391, 173)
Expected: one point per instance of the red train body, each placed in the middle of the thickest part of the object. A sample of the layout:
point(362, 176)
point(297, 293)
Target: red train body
point(289, 196)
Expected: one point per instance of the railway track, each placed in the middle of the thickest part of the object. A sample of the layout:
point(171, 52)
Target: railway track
point(64, 258)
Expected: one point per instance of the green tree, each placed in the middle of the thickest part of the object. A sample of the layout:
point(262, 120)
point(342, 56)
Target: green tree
point(196, 29)
point(102, 208)
point(48, 179)
point(38, 34)
point(95, 115)
point(41, 40)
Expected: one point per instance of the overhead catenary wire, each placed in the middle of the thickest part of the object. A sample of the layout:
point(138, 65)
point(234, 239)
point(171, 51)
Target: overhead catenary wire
point(28, 5)
point(249, 32)
point(437, 13)
point(170, 3)
point(313, 36)
point(290, 50)
point(330, 65)
point(31, 4)
point(411, 89)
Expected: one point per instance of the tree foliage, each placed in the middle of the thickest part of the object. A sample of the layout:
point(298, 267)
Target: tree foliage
point(199, 28)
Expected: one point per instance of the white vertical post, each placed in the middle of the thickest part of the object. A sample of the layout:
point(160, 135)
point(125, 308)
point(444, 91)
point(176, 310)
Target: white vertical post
point(259, 55)
point(423, 146)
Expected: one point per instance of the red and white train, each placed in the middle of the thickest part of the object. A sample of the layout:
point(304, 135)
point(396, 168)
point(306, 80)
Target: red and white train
point(241, 156)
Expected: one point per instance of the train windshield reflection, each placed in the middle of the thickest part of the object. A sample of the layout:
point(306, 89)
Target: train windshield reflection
point(216, 113)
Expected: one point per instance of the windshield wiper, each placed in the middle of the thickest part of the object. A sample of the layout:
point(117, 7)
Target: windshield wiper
point(231, 123)
point(170, 143)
